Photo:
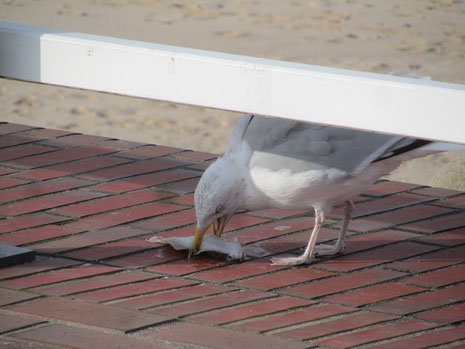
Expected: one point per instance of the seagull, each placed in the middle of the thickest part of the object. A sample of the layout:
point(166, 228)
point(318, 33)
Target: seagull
point(278, 163)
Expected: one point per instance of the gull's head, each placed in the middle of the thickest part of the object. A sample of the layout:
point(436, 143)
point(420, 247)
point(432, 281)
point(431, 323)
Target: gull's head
point(217, 197)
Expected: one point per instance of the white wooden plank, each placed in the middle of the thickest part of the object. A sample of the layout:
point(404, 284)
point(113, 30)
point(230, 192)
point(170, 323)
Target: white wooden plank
point(382, 103)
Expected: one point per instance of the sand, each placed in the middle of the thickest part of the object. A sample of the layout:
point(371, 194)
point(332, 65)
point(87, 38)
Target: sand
point(419, 36)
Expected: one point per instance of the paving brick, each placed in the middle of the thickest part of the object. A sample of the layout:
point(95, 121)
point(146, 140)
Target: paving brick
point(74, 337)
point(187, 266)
point(183, 200)
point(293, 317)
point(148, 258)
point(7, 128)
point(376, 334)
point(455, 202)
point(13, 296)
point(45, 133)
point(275, 213)
point(110, 203)
point(341, 283)
point(4, 170)
point(182, 187)
point(10, 322)
point(74, 140)
point(220, 338)
point(136, 289)
point(145, 181)
point(39, 265)
point(356, 243)
point(35, 235)
point(59, 156)
point(251, 310)
point(94, 283)
point(123, 216)
point(432, 260)
point(47, 202)
point(169, 221)
point(381, 205)
point(238, 271)
point(57, 276)
point(195, 156)
point(72, 168)
point(389, 187)
point(376, 256)
point(437, 192)
point(121, 144)
point(396, 218)
point(423, 301)
point(13, 154)
point(88, 314)
point(133, 169)
point(215, 302)
point(283, 278)
point(111, 250)
point(177, 295)
point(439, 278)
point(9, 182)
point(426, 340)
point(437, 224)
point(87, 239)
point(372, 294)
point(41, 188)
point(452, 314)
point(447, 238)
point(149, 152)
point(345, 323)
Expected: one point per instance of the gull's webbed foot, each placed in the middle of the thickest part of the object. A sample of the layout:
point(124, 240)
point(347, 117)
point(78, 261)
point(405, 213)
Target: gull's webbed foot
point(329, 250)
point(291, 260)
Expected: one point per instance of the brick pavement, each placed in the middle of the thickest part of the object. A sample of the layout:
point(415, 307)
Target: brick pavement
point(87, 205)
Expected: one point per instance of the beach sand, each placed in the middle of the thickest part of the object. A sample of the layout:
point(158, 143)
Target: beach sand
point(419, 36)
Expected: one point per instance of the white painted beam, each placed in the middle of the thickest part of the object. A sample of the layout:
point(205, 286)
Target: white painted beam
point(382, 103)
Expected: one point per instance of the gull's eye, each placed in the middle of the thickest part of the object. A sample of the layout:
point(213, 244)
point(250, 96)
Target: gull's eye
point(219, 209)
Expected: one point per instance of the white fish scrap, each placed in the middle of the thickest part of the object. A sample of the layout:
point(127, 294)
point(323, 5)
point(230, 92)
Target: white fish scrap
point(210, 243)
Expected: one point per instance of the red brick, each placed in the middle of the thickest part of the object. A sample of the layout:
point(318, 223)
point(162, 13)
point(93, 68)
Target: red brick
point(88, 314)
point(4, 171)
point(63, 155)
point(276, 213)
point(456, 202)
point(12, 140)
point(40, 264)
point(45, 133)
point(9, 182)
point(376, 334)
point(396, 218)
point(145, 181)
point(362, 242)
point(7, 128)
point(196, 156)
point(452, 314)
point(84, 338)
point(359, 297)
point(447, 238)
point(376, 256)
point(99, 282)
point(167, 297)
point(188, 334)
point(283, 278)
point(47, 202)
point(389, 187)
point(437, 192)
point(182, 187)
point(113, 249)
point(423, 301)
point(237, 271)
point(24, 222)
point(148, 258)
point(9, 322)
point(431, 261)
point(183, 200)
point(381, 205)
point(215, 302)
point(13, 296)
point(426, 340)
point(185, 266)
point(149, 152)
point(251, 310)
point(87, 239)
point(345, 323)
point(437, 224)
point(121, 144)
point(133, 169)
point(293, 317)
point(71, 168)
point(35, 235)
point(168, 221)
point(41, 188)
point(132, 290)
point(341, 283)
point(240, 221)
point(123, 216)
point(439, 278)
point(57, 276)
point(74, 140)
point(110, 203)
point(14, 154)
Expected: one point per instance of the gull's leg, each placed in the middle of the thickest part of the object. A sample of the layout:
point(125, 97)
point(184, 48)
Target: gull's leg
point(339, 247)
point(307, 256)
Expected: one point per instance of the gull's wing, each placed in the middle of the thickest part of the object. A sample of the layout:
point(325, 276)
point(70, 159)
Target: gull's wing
point(298, 146)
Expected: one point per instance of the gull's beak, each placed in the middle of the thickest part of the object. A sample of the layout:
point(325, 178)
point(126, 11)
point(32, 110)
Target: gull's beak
point(218, 225)
point(197, 240)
